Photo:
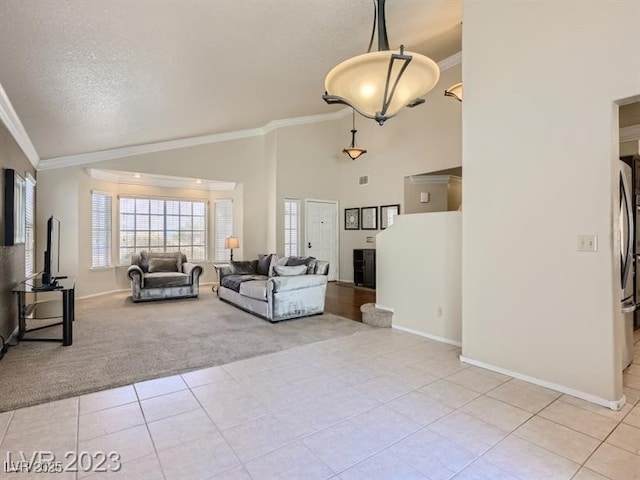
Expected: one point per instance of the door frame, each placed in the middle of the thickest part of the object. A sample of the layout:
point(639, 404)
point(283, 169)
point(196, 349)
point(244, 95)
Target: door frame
point(336, 227)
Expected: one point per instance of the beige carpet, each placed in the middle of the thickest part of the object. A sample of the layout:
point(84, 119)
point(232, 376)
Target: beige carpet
point(117, 342)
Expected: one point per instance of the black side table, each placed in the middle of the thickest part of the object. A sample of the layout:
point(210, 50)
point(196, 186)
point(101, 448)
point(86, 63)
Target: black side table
point(40, 310)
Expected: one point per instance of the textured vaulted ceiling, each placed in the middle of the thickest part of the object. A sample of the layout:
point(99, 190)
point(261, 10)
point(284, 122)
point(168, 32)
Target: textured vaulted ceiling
point(85, 76)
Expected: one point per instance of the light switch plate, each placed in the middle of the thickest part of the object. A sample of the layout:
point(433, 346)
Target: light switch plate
point(587, 243)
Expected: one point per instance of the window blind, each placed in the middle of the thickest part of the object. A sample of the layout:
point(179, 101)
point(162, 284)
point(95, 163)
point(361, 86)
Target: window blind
point(101, 230)
point(29, 247)
point(291, 227)
point(223, 226)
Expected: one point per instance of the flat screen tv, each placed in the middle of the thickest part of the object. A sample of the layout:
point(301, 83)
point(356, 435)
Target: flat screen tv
point(52, 253)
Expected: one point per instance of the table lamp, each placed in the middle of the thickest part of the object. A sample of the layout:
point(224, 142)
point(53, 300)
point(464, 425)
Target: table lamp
point(231, 243)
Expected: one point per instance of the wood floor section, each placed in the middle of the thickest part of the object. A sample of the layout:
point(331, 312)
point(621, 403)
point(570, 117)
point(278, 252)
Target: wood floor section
point(345, 300)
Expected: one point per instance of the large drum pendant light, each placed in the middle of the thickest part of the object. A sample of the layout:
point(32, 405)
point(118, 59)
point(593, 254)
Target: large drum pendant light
point(379, 84)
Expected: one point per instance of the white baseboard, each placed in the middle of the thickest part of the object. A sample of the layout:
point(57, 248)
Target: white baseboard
point(104, 293)
point(612, 404)
point(448, 341)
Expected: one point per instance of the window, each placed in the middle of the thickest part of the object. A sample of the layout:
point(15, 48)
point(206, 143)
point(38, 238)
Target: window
point(29, 244)
point(291, 227)
point(100, 230)
point(223, 227)
point(162, 225)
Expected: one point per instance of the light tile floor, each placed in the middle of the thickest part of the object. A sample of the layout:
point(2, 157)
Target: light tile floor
point(376, 405)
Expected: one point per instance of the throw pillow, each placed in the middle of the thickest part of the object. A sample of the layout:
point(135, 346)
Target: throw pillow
point(310, 262)
point(264, 264)
point(159, 264)
point(285, 271)
point(145, 257)
point(243, 268)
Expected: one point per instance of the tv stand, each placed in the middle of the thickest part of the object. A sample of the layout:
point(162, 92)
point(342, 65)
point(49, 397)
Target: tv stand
point(45, 287)
point(46, 309)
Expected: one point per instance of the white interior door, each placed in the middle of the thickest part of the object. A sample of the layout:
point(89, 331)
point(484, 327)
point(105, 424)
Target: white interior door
point(322, 233)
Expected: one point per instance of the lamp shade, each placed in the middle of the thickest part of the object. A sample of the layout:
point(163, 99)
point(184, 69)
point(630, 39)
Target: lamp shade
point(354, 152)
point(454, 91)
point(366, 82)
point(231, 242)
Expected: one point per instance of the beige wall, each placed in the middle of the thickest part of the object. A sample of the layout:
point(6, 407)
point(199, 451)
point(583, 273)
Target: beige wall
point(419, 272)
point(540, 167)
point(65, 193)
point(303, 162)
point(422, 139)
point(454, 196)
point(11, 257)
point(438, 197)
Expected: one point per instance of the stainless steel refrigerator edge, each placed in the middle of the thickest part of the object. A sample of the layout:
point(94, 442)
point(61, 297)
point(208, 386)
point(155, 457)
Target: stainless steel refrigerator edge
point(627, 232)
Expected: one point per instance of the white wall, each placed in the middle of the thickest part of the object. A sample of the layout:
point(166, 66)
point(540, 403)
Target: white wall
point(65, 193)
point(419, 270)
point(418, 140)
point(540, 147)
point(304, 161)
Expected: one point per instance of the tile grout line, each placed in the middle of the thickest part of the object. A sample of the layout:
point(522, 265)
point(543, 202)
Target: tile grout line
point(219, 433)
point(4, 433)
point(146, 424)
point(77, 473)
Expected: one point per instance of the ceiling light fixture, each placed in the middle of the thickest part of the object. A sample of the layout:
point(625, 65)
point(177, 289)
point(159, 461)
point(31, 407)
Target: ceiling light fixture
point(137, 175)
point(454, 91)
point(379, 84)
point(353, 151)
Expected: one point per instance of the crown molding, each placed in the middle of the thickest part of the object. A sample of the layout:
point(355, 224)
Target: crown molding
point(451, 61)
point(435, 179)
point(94, 157)
point(11, 120)
point(628, 134)
point(155, 180)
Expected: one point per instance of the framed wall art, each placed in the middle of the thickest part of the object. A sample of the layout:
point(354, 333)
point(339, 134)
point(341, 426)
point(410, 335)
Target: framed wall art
point(369, 218)
point(14, 207)
point(387, 214)
point(352, 219)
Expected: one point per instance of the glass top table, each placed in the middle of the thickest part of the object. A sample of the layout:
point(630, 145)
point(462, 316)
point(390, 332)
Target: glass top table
point(46, 309)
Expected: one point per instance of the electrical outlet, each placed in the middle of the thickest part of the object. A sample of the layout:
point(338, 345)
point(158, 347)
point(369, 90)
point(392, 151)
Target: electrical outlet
point(439, 311)
point(587, 243)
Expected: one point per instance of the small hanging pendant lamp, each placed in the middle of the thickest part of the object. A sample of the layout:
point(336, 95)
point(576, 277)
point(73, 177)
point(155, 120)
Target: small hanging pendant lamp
point(353, 151)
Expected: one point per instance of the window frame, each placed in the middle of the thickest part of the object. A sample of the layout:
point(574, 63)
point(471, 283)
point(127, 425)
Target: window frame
point(30, 227)
point(165, 199)
point(287, 244)
point(219, 237)
point(109, 230)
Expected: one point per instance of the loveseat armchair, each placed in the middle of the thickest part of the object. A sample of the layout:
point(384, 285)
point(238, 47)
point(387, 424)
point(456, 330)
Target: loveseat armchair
point(158, 276)
point(275, 288)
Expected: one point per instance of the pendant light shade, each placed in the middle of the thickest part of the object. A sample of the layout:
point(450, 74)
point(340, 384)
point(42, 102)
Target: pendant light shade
point(379, 84)
point(352, 151)
point(454, 91)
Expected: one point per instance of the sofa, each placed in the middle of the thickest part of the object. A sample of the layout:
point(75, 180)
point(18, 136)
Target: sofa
point(160, 276)
point(274, 288)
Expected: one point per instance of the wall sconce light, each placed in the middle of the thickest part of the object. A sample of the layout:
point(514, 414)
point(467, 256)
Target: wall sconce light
point(454, 91)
